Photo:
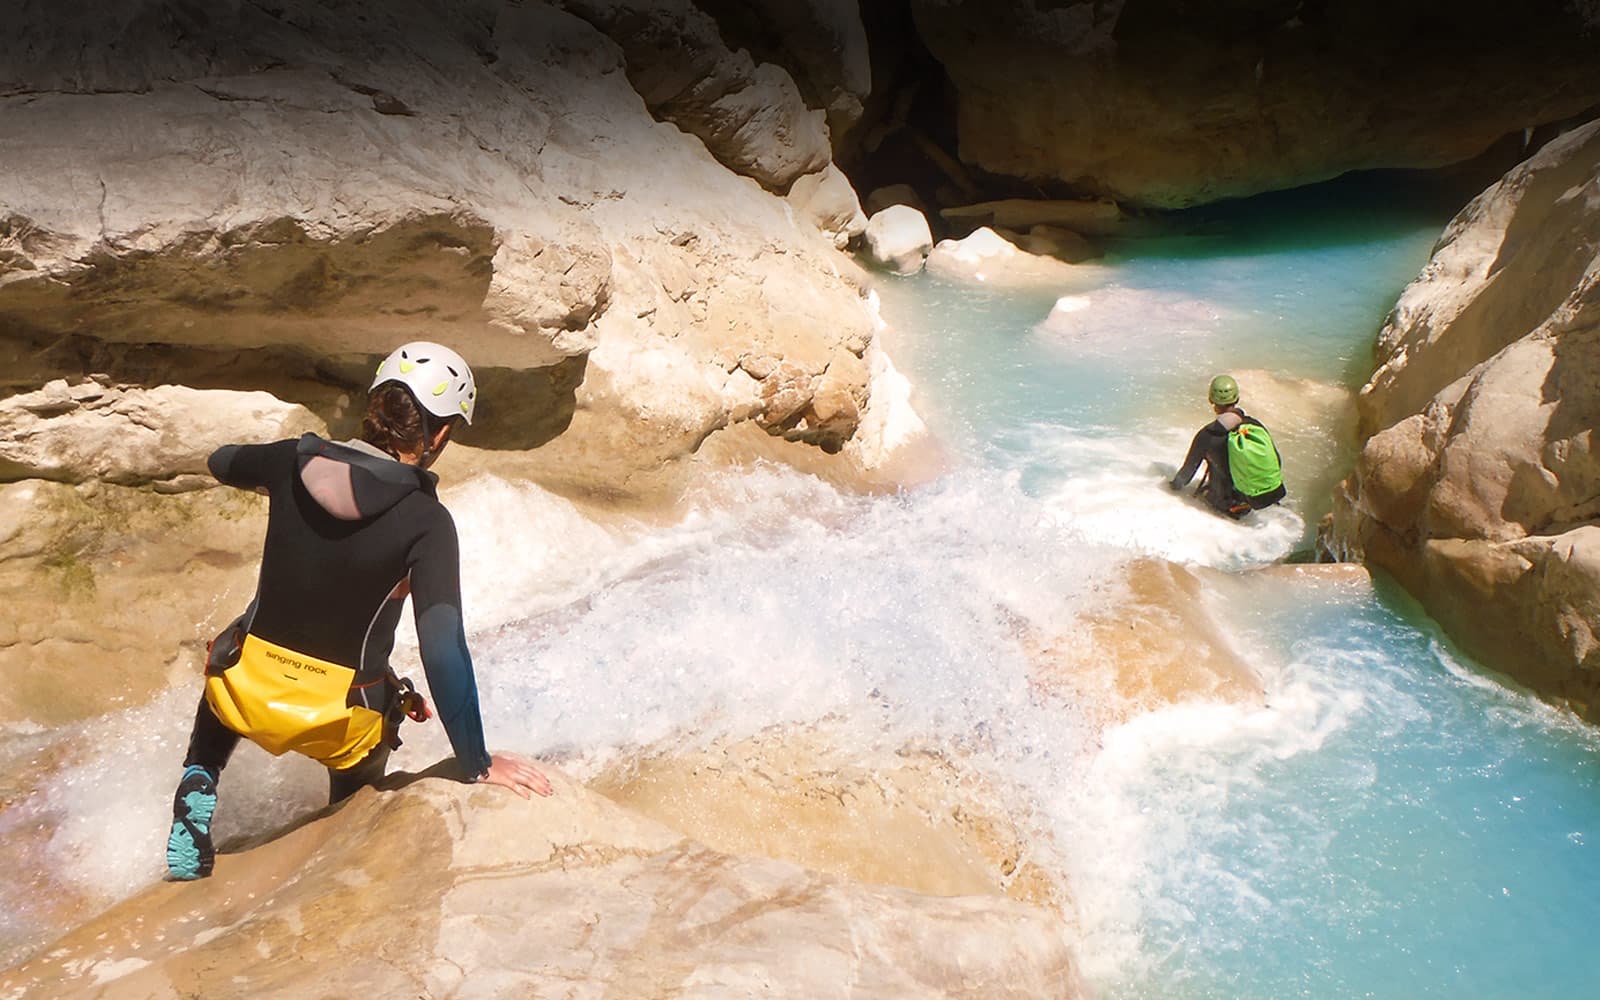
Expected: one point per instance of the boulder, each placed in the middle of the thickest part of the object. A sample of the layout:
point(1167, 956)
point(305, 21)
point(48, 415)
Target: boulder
point(827, 199)
point(898, 239)
point(1478, 468)
point(1154, 644)
point(1062, 244)
point(502, 897)
point(1170, 104)
point(986, 257)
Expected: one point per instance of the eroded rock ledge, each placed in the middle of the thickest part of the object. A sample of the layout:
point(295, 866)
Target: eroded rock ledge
point(1478, 483)
point(442, 889)
point(332, 180)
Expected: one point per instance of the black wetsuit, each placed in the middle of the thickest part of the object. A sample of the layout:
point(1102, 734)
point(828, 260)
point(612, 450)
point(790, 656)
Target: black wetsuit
point(345, 529)
point(1210, 445)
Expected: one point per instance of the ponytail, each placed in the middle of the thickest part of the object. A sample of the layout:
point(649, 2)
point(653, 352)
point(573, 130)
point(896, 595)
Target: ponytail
point(396, 424)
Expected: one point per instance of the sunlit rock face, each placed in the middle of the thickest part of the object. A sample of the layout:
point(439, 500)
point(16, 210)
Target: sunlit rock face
point(1171, 104)
point(1479, 481)
point(442, 889)
point(333, 180)
point(912, 818)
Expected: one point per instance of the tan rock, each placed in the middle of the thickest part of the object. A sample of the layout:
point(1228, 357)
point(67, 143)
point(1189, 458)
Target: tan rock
point(505, 191)
point(894, 194)
point(828, 200)
point(111, 592)
point(127, 435)
point(822, 44)
point(1154, 643)
point(445, 889)
point(1478, 469)
point(751, 116)
point(988, 258)
point(898, 239)
point(1062, 244)
point(909, 819)
point(1086, 218)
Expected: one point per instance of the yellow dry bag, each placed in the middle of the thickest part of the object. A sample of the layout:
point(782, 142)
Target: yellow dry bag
point(284, 700)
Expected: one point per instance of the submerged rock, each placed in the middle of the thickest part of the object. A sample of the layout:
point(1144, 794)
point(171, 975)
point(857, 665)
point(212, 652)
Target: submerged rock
point(909, 819)
point(441, 889)
point(986, 257)
point(1478, 472)
point(1153, 643)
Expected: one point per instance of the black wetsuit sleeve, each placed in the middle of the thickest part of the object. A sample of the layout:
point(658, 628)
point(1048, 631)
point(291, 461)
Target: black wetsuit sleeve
point(435, 566)
point(246, 466)
point(1198, 448)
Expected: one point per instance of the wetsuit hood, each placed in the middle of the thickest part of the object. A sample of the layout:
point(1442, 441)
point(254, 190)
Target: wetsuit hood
point(353, 481)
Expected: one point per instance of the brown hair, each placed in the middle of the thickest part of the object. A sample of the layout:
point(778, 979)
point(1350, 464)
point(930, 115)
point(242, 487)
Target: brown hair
point(395, 422)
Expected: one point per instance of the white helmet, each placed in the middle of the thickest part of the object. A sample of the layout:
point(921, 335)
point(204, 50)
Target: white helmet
point(436, 376)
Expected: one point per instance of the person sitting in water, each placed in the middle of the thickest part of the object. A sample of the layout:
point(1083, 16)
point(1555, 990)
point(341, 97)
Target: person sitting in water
point(1243, 469)
point(352, 529)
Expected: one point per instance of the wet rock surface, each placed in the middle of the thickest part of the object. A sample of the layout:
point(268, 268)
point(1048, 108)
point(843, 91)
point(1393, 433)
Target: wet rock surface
point(444, 889)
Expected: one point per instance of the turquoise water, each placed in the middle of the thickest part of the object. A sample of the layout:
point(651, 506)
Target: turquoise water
point(1393, 822)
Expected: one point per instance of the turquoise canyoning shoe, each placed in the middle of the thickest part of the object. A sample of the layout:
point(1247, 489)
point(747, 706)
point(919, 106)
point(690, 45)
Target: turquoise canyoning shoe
point(189, 850)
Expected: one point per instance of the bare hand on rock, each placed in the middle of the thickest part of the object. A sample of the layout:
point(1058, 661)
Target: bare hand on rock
point(519, 774)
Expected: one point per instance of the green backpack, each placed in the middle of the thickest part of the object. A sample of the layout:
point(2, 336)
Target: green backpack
point(1253, 460)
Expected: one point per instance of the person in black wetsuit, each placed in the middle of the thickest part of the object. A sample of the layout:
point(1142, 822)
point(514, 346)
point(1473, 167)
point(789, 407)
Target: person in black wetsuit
point(1210, 446)
point(352, 529)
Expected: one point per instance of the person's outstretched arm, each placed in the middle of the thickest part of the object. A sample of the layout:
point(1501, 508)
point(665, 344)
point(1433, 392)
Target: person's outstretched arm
point(442, 638)
point(1197, 453)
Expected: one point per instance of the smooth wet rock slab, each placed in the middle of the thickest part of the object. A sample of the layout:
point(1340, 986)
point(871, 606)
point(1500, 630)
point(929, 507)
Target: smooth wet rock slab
point(441, 889)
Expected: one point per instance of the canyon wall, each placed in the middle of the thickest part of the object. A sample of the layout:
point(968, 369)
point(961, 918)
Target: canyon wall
point(1478, 482)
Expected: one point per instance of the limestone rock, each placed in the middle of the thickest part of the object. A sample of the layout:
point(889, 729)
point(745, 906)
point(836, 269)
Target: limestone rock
point(1155, 644)
point(828, 200)
point(110, 592)
point(1478, 463)
point(317, 178)
point(1172, 104)
point(986, 257)
point(822, 44)
point(127, 435)
point(898, 238)
point(505, 897)
point(909, 819)
point(1062, 244)
point(750, 115)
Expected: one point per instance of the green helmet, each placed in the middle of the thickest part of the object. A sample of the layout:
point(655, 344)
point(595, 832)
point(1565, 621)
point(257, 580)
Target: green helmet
point(1224, 391)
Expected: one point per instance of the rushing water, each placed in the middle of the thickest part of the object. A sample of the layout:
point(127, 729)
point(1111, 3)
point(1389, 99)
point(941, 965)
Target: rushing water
point(1387, 822)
